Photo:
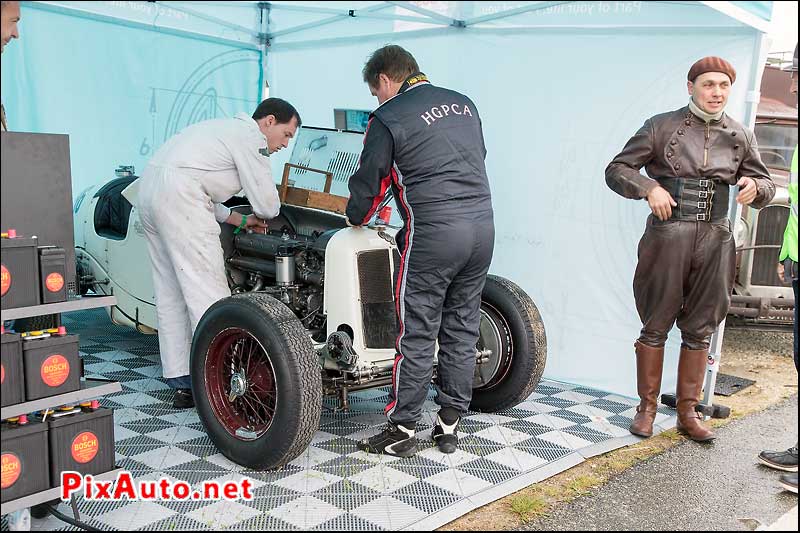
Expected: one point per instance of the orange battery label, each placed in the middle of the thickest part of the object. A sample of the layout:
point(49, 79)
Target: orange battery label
point(5, 280)
point(85, 447)
point(11, 469)
point(55, 370)
point(54, 282)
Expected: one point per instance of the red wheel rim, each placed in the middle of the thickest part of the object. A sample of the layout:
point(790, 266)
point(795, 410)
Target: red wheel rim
point(240, 383)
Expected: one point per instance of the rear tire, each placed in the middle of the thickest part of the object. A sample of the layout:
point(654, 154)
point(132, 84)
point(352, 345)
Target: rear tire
point(252, 347)
point(512, 327)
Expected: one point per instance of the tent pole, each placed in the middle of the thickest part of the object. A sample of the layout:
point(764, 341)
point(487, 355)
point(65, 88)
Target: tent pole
point(537, 6)
point(306, 9)
point(543, 29)
point(82, 13)
point(358, 13)
point(349, 39)
point(329, 20)
point(208, 18)
point(308, 26)
point(264, 12)
point(431, 14)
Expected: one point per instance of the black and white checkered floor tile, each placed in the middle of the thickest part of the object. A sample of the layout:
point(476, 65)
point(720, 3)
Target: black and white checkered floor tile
point(332, 486)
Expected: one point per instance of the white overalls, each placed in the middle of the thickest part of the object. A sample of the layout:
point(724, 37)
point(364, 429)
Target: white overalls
point(179, 201)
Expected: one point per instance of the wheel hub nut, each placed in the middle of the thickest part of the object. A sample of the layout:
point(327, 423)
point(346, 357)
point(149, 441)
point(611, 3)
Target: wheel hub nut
point(238, 386)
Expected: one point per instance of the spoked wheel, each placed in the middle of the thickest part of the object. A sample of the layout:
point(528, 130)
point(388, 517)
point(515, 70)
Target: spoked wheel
point(240, 381)
point(256, 380)
point(512, 347)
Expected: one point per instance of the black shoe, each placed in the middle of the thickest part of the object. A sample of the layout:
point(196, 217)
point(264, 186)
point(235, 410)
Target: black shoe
point(445, 435)
point(183, 399)
point(785, 460)
point(789, 482)
point(396, 440)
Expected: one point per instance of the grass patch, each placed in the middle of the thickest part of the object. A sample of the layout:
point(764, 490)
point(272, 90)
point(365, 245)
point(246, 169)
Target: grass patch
point(583, 483)
point(528, 507)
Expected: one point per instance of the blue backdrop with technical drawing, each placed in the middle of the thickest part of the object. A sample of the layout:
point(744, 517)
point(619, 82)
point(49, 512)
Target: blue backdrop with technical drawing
point(118, 91)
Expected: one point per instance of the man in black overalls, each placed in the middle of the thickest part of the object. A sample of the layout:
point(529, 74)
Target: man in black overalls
point(426, 143)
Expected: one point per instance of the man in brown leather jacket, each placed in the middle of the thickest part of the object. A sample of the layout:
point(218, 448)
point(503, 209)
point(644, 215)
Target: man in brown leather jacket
point(687, 256)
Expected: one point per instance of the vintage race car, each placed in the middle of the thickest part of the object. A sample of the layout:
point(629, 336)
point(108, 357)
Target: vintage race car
point(312, 313)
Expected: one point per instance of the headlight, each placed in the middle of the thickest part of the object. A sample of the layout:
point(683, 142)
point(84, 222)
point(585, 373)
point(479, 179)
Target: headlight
point(741, 233)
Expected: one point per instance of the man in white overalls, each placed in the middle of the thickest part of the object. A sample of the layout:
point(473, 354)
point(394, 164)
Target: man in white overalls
point(180, 203)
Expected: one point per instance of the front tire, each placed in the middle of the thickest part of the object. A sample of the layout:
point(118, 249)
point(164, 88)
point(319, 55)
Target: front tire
point(513, 330)
point(256, 381)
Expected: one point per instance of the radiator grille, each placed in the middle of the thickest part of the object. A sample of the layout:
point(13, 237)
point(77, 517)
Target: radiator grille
point(377, 304)
point(374, 277)
point(771, 225)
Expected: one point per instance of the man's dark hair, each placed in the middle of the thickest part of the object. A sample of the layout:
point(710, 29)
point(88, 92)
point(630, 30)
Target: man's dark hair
point(392, 60)
point(282, 110)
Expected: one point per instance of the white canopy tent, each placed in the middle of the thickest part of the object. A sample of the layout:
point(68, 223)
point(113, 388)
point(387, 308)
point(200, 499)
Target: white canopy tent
point(560, 87)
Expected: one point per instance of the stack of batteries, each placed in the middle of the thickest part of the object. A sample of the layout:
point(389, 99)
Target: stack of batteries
point(35, 365)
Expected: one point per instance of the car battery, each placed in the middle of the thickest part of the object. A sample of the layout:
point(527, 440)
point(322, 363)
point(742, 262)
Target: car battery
point(52, 365)
point(23, 454)
point(19, 281)
point(52, 272)
point(81, 442)
point(12, 381)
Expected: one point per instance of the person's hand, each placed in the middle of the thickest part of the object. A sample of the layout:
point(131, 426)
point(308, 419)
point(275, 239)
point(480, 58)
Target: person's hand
point(256, 225)
point(747, 191)
point(661, 203)
point(781, 274)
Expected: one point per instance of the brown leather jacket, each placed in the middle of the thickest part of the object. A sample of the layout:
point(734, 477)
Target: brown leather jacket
point(678, 144)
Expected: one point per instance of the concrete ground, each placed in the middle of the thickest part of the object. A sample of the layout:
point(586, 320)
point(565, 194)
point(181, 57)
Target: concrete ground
point(693, 486)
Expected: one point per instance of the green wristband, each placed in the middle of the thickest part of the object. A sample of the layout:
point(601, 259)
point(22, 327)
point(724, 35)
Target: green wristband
point(241, 226)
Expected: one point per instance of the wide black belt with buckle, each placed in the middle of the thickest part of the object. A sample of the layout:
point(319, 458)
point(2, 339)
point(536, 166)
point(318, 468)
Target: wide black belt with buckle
point(698, 199)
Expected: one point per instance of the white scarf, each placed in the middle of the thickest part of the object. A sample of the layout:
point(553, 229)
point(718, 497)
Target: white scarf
point(708, 117)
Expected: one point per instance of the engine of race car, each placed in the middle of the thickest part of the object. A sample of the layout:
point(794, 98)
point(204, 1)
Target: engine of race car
point(290, 267)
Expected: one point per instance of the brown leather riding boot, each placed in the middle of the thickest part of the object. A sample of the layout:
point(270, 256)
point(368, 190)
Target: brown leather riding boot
point(691, 371)
point(649, 364)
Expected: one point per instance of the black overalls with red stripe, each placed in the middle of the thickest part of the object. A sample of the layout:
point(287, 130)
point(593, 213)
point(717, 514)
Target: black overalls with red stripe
point(427, 144)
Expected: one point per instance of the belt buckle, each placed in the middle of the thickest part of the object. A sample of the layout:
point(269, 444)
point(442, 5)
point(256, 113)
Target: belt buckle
point(701, 217)
point(704, 183)
point(703, 194)
point(702, 205)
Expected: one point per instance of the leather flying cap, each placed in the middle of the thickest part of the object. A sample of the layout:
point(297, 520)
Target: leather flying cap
point(712, 64)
